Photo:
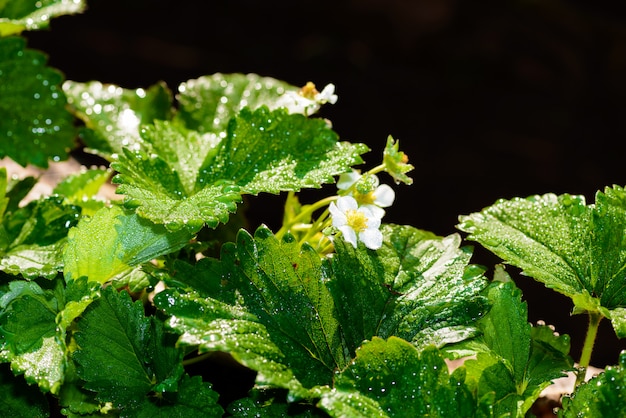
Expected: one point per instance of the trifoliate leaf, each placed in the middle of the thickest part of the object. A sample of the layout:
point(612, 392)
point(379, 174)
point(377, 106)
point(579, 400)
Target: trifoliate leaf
point(183, 178)
point(32, 237)
point(113, 114)
point(208, 103)
point(113, 241)
point(519, 362)
point(396, 162)
point(122, 354)
point(400, 381)
point(18, 15)
point(17, 399)
point(601, 396)
point(576, 249)
point(418, 286)
point(35, 126)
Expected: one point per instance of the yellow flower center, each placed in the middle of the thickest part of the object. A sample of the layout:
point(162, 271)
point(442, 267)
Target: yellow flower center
point(309, 91)
point(356, 220)
point(364, 198)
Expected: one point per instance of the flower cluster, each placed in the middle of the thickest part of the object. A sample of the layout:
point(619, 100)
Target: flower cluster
point(307, 100)
point(359, 213)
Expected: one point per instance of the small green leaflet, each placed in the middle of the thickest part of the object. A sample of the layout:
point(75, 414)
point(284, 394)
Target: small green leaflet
point(576, 249)
point(263, 151)
point(602, 396)
point(28, 90)
point(276, 307)
point(113, 241)
point(113, 115)
point(32, 237)
point(515, 361)
point(19, 15)
point(393, 379)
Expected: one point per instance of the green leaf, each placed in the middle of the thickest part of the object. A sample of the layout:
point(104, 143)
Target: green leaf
point(263, 151)
point(113, 115)
point(82, 187)
point(29, 333)
point(208, 103)
point(19, 15)
point(35, 126)
point(274, 306)
point(194, 398)
point(113, 241)
point(122, 354)
point(288, 322)
point(17, 399)
point(602, 396)
point(418, 286)
point(398, 380)
point(576, 249)
point(519, 361)
point(396, 162)
point(32, 237)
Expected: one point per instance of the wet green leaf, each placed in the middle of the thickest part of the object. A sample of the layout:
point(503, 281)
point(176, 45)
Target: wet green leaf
point(113, 115)
point(208, 103)
point(393, 379)
point(518, 361)
point(602, 396)
point(113, 241)
point(35, 126)
point(19, 15)
point(122, 354)
point(418, 286)
point(29, 333)
point(184, 178)
point(32, 237)
point(576, 249)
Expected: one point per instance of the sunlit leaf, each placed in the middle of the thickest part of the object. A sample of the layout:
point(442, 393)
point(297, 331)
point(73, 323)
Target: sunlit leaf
point(576, 249)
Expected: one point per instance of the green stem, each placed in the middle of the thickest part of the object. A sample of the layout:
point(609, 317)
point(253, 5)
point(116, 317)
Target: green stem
point(306, 212)
point(590, 339)
point(197, 359)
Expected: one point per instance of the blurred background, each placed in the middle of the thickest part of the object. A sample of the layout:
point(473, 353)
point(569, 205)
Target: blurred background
point(490, 99)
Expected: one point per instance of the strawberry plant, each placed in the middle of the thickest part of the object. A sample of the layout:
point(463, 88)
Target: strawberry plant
point(123, 306)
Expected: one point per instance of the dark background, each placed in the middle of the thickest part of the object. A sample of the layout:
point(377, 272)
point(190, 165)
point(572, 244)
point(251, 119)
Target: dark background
point(490, 99)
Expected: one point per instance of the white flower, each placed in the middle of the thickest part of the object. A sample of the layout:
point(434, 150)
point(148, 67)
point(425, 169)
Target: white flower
point(307, 100)
point(368, 191)
point(354, 221)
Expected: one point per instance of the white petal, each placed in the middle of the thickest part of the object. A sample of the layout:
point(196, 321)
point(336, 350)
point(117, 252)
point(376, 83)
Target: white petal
point(384, 196)
point(327, 95)
point(377, 212)
point(346, 203)
point(346, 180)
point(372, 238)
point(348, 234)
point(339, 217)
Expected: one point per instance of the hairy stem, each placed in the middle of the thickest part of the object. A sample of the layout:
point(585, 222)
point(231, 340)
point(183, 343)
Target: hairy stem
point(590, 339)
